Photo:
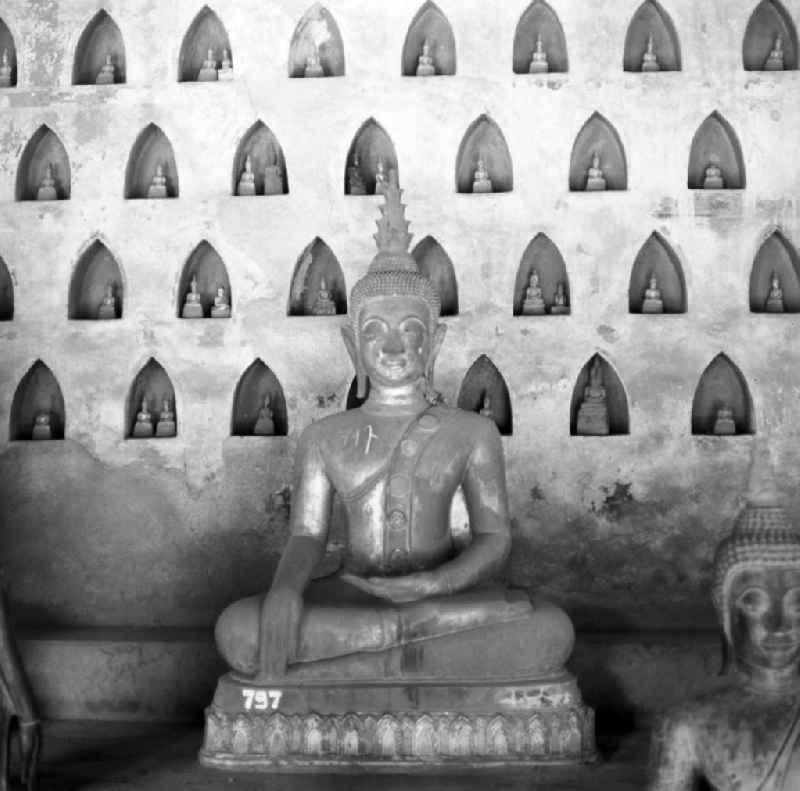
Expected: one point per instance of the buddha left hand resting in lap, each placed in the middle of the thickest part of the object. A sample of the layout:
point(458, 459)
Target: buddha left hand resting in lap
point(396, 464)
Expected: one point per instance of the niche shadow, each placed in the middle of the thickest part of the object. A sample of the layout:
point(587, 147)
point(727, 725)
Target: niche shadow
point(768, 21)
point(484, 387)
point(715, 143)
point(257, 385)
point(151, 150)
point(317, 36)
point(775, 256)
point(44, 171)
point(431, 25)
point(205, 264)
point(100, 42)
point(37, 394)
point(150, 388)
point(371, 153)
point(484, 141)
point(543, 256)
point(269, 176)
point(96, 271)
point(205, 34)
point(539, 19)
point(722, 385)
point(435, 264)
point(616, 401)
point(6, 293)
point(657, 258)
point(651, 20)
point(598, 137)
point(315, 264)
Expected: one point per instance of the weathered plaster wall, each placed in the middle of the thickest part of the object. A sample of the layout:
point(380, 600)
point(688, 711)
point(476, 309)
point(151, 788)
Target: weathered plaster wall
point(100, 531)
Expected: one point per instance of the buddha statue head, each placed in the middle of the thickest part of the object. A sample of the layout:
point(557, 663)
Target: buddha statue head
point(756, 586)
point(394, 335)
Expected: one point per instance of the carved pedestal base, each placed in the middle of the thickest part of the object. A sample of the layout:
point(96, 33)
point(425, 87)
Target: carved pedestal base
point(538, 67)
point(652, 306)
point(594, 184)
point(397, 726)
point(593, 420)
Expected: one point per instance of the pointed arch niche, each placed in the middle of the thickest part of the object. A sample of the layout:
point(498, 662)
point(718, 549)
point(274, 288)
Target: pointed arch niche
point(484, 380)
point(543, 256)
point(651, 19)
point(151, 149)
point(484, 140)
point(206, 264)
point(42, 150)
point(8, 50)
point(37, 393)
point(353, 401)
point(768, 21)
point(96, 270)
point(598, 136)
point(435, 264)
point(257, 384)
point(205, 33)
point(316, 262)
point(539, 19)
point(153, 386)
point(100, 39)
point(657, 258)
point(371, 143)
point(722, 385)
point(715, 142)
point(317, 31)
point(776, 255)
point(263, 148)
point(6, 293)
point(616, 399)
point(432, 25)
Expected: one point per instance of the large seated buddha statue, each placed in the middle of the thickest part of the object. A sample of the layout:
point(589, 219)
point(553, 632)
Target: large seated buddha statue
point(409, 652)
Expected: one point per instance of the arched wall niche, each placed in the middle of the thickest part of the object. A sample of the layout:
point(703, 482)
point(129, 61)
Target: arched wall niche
point(484, 381)
point(260, 144)
point(539, 19)
point(432, 25)
point(616, 399)
point(205, 33)
point(541, 254)
point(38, 393)
point(95, 272)
point(776, 255)
point(435, 264)
point(598, 136)
point(484, 140)
point(257, 385)
point(768, 21)
point(656, 257)
point(206, 264)
point(722, 385)
point(370, 145)
point(716, 143)
point(6, 293)
point(44, 150)
point(318, 32)
point(8, 52)
point(315, 264)
point(152, 386)
point(101, 38)
point(151, 149)
point(651, 19)
point(353, 401)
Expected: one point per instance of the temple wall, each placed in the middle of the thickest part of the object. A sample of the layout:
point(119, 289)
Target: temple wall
point(97, 530)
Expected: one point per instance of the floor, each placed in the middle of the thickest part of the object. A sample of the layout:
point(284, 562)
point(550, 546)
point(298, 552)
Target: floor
point(123, 757)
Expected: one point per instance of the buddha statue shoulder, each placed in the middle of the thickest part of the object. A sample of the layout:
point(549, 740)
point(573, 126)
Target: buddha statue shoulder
point(746, 736)
point(412, 599)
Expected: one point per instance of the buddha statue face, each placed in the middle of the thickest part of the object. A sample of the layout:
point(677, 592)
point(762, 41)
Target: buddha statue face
point(764, 610)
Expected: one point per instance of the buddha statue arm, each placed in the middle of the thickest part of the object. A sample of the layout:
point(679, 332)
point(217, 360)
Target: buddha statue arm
point(673, 766)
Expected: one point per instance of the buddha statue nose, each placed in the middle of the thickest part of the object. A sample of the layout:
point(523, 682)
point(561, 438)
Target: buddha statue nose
point(393, 343)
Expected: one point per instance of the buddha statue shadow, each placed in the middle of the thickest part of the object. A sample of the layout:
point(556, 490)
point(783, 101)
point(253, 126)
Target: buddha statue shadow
point(409, 637)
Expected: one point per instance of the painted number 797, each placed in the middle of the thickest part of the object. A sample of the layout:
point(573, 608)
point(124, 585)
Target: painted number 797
point(261, 699)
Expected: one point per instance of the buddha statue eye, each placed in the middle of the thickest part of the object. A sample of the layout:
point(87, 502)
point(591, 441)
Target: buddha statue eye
point(372, 329)
point(753, 601)
point(791, 602)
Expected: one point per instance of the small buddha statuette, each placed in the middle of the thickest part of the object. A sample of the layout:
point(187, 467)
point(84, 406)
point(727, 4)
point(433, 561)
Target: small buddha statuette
point(108, 307)
point(265, 424)
point(650, 59)
point(323, 304)
point(143, 427)
point(247, 181)
point(539, 63)
point(534, 302)
point(225, 67)
point(158, 186)
point(775, 299)
point(486, 408)
point(724, 424)
point(47, 187)
point(41, 426)
point(208, 72)
point(481, 182)
point(426, 66)
point(106, 75)
point(221, 308)
point(355, 181)
point(775, 60)
point(5, 70)
point(273, 176)
point(652, 297)
point(593, 412)
point(560, 306)
point(713, 180)
point(193, 305)
point(165, 427)
point(595, 180)
point(313, 63)
point(380, 176)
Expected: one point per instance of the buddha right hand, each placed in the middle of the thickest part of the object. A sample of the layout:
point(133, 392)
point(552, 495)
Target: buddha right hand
point(279, 632)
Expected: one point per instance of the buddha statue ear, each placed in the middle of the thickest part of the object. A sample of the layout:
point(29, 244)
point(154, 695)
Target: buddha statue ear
point(350, 341)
